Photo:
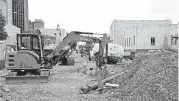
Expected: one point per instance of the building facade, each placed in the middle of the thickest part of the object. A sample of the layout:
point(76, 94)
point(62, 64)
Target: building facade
point(31, 25)
point(20, 14)
point(3, 8)
point(39, 23)
point(36, 24)
point(9, 11)
point(6, 7)
point(59, 34)
point(143, 35)
point(172, 38)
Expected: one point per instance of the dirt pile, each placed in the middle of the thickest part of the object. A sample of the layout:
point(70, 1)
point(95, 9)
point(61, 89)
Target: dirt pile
point(156, 78)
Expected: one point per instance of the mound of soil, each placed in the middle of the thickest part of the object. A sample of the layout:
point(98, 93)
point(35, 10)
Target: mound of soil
point(156, 78)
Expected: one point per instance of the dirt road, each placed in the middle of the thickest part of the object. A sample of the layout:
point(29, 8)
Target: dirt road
point(64, 85)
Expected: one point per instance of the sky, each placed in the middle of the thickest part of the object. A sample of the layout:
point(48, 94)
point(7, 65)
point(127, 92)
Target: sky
point(97, 15)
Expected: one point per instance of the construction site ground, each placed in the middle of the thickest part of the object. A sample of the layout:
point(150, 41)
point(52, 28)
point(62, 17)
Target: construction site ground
point(150, 77)
point(64, 85)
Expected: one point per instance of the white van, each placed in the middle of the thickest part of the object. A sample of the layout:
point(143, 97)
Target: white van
point(115, 52)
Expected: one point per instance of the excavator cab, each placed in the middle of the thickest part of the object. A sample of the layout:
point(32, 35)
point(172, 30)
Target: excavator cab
point(25, 64)
point(31, 43)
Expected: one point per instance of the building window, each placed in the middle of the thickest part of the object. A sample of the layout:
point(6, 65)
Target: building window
point(127, 41)
point(131, 41)
point(134, 40)
point(174, 40)
point(152, 40)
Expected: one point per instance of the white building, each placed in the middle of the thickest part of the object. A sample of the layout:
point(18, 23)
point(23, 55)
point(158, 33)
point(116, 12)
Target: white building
point(58, 34)
point(142, 35)
point(3, 8)
point(6, 7)
point(172, 37)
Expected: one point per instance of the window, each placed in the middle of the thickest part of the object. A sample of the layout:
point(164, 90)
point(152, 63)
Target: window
point(134, 40)
point(174, 40)
point(129, 41)
point(25, 44)
point(152, 40)
point(35, 43)
point(125, 42)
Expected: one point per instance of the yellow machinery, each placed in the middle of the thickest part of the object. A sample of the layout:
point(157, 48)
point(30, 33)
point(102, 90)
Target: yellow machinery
point(25, 63)
point(29, 64)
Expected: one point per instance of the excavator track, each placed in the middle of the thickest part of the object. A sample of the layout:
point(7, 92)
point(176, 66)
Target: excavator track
point(12, 78)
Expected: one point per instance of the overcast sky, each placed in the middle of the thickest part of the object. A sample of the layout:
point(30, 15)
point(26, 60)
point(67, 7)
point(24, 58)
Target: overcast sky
point(97, 15)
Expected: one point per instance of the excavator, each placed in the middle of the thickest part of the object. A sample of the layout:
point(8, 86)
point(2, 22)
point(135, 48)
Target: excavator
point(29, 63)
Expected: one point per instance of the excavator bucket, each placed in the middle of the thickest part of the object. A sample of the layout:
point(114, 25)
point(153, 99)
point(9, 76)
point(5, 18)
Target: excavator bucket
point(42, 78)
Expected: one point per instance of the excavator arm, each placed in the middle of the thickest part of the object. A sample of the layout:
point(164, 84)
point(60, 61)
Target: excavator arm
point(27, 65)
point(68, 43)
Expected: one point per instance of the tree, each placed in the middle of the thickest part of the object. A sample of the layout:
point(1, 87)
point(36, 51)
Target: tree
point(3, 34)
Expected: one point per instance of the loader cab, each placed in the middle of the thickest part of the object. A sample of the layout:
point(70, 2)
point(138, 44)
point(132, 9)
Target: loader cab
point(30, 43)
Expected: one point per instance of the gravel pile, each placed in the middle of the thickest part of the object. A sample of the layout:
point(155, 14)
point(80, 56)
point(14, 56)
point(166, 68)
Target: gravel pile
point(154, 80)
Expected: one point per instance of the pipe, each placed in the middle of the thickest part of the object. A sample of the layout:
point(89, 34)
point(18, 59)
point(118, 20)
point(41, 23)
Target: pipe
point(126, 74)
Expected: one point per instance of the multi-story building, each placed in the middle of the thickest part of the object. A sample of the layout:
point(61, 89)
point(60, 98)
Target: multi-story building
point(3, 8)
point(6, 7)
point(38, 23)
point(20, 14)
point(143, 35)
point(58, 33)
point(31, 25)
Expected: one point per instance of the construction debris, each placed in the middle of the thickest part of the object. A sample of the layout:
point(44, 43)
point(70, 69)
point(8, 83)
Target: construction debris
point(155, 79)
point(125, 74)
point(111, 85)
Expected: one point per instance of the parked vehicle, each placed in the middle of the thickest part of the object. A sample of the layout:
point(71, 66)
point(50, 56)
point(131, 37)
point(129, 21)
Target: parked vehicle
point(115, 53)
point(129, 55)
